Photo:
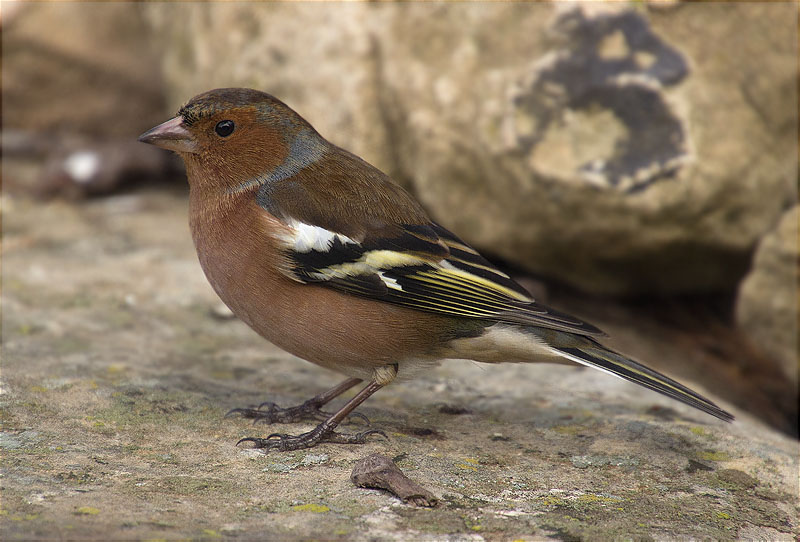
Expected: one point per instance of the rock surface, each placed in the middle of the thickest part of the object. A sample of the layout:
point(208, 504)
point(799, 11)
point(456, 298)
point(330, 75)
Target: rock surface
point(118, 368)
point(78, 68)
point(320, 59)
point(768, 304)
point(608, 148)
point(80, 81)
point(612, 148)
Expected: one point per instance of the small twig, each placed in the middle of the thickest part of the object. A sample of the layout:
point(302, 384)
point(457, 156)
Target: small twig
point(380, 472)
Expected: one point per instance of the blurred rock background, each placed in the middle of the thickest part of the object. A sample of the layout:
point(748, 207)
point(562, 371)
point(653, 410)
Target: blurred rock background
point(633, 163)
point(620, 153)
point(640, 153)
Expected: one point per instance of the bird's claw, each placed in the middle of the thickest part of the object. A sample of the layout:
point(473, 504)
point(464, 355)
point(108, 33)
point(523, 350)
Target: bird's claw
point(269, 412)
point(282, 442)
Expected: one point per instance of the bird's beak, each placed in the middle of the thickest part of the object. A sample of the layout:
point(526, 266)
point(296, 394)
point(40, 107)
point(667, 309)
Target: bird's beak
point(171, 135)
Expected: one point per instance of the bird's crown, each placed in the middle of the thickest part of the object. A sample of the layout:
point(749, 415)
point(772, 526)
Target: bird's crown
point(212, 102)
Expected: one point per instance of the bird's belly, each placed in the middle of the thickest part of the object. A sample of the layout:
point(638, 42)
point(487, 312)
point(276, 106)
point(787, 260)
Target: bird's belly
point(353, 335)
point(334, 330)
point(345, 333)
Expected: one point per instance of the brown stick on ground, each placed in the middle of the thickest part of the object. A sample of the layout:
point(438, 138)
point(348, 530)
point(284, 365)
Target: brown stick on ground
point(380, 472)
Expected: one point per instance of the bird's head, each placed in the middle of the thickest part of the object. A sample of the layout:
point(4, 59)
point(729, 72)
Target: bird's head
point(234, 136)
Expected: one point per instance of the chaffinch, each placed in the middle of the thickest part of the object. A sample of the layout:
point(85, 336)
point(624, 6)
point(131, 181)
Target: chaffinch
point(324, 255)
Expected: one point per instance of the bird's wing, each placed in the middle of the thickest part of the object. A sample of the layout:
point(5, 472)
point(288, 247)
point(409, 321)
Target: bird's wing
point(355, 230)
point(424, 267)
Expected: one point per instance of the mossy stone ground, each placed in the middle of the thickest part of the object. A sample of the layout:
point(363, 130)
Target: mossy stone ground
point(118, 369)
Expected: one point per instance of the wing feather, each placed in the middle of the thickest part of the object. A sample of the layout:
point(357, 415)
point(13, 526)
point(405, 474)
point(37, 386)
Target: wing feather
point(424, 267)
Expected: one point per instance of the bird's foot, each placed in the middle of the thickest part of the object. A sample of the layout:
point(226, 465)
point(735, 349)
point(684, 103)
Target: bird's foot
point(283, 443)
point(269, 412)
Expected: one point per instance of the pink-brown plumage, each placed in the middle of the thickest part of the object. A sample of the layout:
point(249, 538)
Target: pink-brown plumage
point(329, 259)
point(235, 242)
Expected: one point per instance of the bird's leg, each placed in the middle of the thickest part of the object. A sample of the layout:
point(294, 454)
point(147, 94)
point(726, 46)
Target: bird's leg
point(269, 412)
point(324, 432)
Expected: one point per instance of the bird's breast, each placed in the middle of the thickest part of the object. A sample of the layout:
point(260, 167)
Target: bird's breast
point(239, 248)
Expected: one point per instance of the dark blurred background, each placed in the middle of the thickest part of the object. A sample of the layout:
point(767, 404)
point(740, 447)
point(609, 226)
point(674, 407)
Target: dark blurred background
point(636, 164)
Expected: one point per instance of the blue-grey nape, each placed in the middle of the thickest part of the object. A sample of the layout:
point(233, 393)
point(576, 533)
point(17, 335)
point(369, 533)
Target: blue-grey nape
point(306, 148)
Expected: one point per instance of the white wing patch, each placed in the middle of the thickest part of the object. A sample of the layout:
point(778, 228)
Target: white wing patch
point(305, 238)
point(353, 269)
point(390, 282)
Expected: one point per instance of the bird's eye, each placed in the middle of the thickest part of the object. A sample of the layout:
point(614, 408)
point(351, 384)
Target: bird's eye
point(224, 128)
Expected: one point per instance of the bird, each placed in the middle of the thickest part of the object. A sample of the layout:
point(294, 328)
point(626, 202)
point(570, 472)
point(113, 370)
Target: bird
point(328, 258)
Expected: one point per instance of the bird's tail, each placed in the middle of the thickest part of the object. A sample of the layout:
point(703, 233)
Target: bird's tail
point(591, 353)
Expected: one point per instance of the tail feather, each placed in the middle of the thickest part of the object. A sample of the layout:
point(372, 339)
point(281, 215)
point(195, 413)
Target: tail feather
point(595, 355)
